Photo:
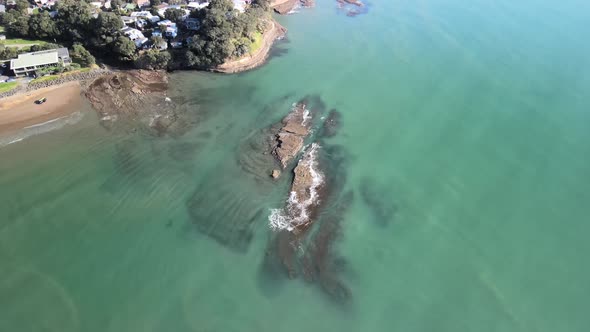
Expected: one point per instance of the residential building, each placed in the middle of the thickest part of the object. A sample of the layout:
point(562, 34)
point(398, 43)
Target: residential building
point(146, 16)
point(128, 19)
point(2, 8)
point(29, 63)
point(194, 5)
point(2, 37)
point(192, 24)
point(240, 5)
point(142, 3)
point(135, 35)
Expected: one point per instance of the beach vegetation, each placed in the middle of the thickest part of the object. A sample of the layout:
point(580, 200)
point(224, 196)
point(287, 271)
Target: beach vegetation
point(7, 86)
point(153, 59)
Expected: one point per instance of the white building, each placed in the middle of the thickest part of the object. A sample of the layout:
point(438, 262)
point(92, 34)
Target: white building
point(197, 5)
point(135, 35)
point(30, 62)
point(146, 16)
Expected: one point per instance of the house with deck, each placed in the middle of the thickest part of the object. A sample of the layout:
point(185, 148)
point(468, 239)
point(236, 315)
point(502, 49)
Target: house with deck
point(28, 63)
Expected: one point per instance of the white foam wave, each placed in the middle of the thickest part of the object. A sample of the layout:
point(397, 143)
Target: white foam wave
point(296, 212)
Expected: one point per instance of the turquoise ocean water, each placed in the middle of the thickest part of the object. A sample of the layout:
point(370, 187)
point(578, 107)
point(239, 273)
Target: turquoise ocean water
point(471, 117)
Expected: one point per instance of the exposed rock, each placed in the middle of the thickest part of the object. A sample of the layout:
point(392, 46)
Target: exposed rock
point(307, 3)
point(139, 96)
point(290, 138)
point(276, 174)
point(352, 2)
point(283, 6)
point(304, 198)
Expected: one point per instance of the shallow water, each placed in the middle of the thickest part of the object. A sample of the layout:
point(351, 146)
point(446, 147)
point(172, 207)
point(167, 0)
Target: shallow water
point(464, 125)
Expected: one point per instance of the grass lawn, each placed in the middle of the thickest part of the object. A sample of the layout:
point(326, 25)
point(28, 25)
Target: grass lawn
point(15, 41)
point(257, 42)
point(7, 86)
point(54, 77)
point(44, 79)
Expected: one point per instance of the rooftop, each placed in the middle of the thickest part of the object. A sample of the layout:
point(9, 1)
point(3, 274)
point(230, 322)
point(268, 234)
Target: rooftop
point(34, 59)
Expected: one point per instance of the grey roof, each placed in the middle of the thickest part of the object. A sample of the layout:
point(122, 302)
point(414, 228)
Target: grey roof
point(34, 59)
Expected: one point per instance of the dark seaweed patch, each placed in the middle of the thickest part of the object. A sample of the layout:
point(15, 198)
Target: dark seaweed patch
point(378, 198)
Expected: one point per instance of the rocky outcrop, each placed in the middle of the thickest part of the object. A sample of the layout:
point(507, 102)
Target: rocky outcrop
point(291, 136)
point(352, 2)
point(283, 6)
point(138, 96)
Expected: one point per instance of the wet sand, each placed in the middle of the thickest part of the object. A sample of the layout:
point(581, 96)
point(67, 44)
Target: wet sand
point(20, 111)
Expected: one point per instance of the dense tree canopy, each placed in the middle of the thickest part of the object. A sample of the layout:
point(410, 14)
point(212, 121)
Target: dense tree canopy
point(153, 59)
point(174, 14)
point(42, 26)
point(107, 26)
point(81, 56)
point(73, 19)
point(124, 48)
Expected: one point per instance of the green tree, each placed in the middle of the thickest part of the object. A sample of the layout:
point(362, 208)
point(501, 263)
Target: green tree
point(155, 2)
point(153, 59)
point(124, 48)
point(21, 6)
point(117, 4)
point(174, 14)
point(42, 26)
point(8, 52)
point(107, 26)
point(81, 56)
point(74, 20)
point(157, 41)
point(19, 26)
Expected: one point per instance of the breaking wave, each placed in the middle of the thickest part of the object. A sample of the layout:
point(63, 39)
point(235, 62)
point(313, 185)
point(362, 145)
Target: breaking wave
point(296, 213)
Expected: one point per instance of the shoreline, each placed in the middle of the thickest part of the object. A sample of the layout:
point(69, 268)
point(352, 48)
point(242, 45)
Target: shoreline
point(259, 57)
point(20, 112)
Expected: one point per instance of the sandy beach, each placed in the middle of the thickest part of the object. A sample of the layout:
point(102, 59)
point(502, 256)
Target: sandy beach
point(20, 111)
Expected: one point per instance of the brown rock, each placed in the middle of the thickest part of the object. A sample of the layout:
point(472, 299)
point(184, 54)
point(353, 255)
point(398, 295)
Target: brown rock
point(276, 173)
point(291, 136)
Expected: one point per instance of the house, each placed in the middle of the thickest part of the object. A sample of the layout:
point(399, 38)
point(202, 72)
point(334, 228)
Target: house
point(135, 35)
point(172, 32)
point(167, 23)
point(28, 63)
point(96, 4)
point(142, 3)
point(146, 16)
point(2, 37)
point(192, 24)
point(2, 8)
point(176, 44)
point(128, 19)
point(197, 5)
point(53, 13)
point(157, 33)
point(240, 5)
point(41, 2)
point(11, 3)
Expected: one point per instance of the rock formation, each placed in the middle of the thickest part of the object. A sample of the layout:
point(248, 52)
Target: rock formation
point(291, 136)
point(139, 96)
